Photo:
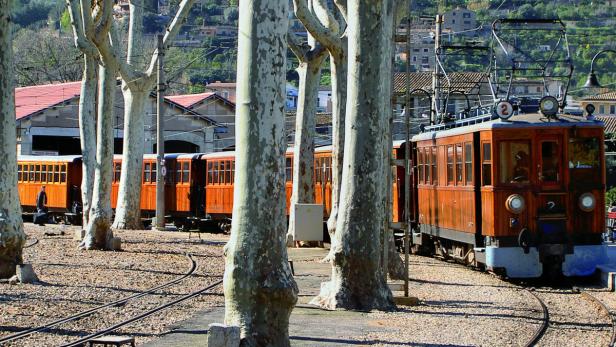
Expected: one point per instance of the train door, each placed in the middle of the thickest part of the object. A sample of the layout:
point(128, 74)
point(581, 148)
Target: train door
point(551, 203)
point(549, 167)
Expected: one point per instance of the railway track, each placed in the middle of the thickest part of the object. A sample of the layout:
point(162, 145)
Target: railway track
point(540, 332)
point(34, 242)
point(145, 314)
point(606, 310)
point(545, 319)
point(42, 328)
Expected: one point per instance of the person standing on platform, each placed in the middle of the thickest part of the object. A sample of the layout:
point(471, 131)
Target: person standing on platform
point(41, 201)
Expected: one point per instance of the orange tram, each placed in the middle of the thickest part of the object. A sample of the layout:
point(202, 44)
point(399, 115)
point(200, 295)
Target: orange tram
point(520, 197)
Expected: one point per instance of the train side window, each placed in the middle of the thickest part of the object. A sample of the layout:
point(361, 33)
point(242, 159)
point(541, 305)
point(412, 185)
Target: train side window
point(434, 166)
point(117, 171)
point(426, 164)
point(146, 172)
point(486, 164)
point(289, 169)
point(63, 173)
point(328, 169)
point(37, 173)
point(50, 173)
point(153, 173)
point(228, 172)
point(514, 161)
point(223, 168)
point(210, 172)
point(56, 173)
point(232, 171)
point(450, 165)
point(468, 163)
point(215, 173)
point(185, 172)
point(19, 173)
point(317, 170)
point(178, 172)
point(459, 164)
point(43, 173)
point(419, 165)
point(31, 173)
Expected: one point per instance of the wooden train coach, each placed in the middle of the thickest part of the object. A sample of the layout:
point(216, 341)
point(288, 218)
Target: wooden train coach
point(61, 176)
point(522, 197)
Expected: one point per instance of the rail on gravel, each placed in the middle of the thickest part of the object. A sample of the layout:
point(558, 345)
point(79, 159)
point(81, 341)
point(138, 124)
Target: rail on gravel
point(545, 320)
point(34, 242)
point(25, 333)
point(106, 331)
point(607, 311)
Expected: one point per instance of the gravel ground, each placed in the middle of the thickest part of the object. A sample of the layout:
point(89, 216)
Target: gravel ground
point(73, 281)
point(458, 306)
point(574, 320)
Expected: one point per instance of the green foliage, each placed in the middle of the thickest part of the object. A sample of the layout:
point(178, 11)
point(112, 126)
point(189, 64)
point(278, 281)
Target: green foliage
point(28, 12)
point(610, 197)
point(65, 21)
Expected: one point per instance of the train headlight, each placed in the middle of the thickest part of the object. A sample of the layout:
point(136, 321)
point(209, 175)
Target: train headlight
point(587, 202)
point(515, 203)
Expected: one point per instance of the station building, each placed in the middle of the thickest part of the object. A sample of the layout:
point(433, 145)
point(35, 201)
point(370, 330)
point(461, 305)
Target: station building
point(48, 121)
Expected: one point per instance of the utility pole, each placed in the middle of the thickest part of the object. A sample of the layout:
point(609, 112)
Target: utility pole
point(407, 158)
point(160, 140)
point(436, 88)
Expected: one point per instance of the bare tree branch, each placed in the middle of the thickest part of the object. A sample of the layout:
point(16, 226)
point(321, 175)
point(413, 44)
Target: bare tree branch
point(323, 34)
point(172, 31)
point(296, 46)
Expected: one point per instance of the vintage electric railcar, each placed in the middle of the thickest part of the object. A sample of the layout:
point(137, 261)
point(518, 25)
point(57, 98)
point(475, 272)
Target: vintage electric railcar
point(522, 197)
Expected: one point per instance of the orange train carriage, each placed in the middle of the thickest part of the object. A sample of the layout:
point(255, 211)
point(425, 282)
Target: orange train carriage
point(61, 176)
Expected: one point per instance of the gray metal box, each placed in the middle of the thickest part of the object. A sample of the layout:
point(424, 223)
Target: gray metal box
point(308, 222)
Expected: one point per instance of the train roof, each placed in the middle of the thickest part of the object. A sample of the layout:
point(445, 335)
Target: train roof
point(50, 158)
point(521, 121)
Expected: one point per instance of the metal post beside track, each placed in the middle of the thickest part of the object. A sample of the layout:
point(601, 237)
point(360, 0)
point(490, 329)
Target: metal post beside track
point(160, 140)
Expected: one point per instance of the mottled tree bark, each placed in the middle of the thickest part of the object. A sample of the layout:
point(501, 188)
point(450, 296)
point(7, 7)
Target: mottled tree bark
point(98, 232)
point(394, 13)
point(326, 27)
point(358, 281)
point(260, 291)
point(311, 59)
point(12, 237)
point(87, 130)
point(128, 209)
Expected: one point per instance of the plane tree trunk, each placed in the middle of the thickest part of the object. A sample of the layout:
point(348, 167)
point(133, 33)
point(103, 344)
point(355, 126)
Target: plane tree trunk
point(358, 281)
point(395, 265)
point(98, 232)
point(12, 237)
point(87, 130)
point(326, 26)
point(137, 84)
point(260, 291)
point(310, 59)
point(128, 209)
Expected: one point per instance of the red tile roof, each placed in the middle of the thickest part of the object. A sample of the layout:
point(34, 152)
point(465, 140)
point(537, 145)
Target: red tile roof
point(30, 100)
point(189, 100)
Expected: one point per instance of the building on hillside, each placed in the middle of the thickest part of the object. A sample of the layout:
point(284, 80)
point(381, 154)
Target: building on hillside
point(47, 122)
point(324, 99)
point(224, 89)
point(220, 31)
point(460, 21)
point(421, 42)
point(605, 103)
point(217, 108)
point(532, 88)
